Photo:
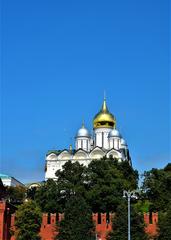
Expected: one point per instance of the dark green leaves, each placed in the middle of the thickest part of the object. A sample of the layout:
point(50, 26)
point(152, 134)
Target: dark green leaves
point(28, 221)
point(77, 223)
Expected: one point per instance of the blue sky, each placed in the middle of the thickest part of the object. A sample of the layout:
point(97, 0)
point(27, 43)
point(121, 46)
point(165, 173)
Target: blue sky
point(58, 57)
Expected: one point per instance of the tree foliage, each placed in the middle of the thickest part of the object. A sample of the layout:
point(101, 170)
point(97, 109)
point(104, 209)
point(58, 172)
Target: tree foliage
point(165, 224)
point(157, 188)
point(28, 221)
point(48, 197)
point(101, 184)
point(120, 224)
point(78, 191)
point(16, 195)
point(77, 223)
point(31, 192)
point(71, 181)
point(107, 180)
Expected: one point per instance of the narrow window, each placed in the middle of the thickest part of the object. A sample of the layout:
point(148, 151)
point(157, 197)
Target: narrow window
point(48, 220)
point(102, 139)
point(150, 218)
point(107, 218)
point(99, 218)
point(57, 217)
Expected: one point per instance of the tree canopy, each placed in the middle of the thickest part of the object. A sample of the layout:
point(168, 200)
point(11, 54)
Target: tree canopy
point(165, 224)
point(157, 188)
point(101, 184)
point(16, 195)
point(77, 223)
point(107, 180)
point(48, 197)
point(120, 224)
point(28, 221)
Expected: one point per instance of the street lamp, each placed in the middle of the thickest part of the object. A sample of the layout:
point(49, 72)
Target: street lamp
point(129, 194)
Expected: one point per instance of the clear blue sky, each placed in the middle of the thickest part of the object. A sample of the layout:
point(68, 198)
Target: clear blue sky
point(57, 59)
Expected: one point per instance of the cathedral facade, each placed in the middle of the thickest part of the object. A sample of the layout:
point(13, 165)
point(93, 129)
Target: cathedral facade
point(106, 141)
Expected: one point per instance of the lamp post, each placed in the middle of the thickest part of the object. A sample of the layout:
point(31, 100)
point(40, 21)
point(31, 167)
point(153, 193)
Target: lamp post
point(129, 194)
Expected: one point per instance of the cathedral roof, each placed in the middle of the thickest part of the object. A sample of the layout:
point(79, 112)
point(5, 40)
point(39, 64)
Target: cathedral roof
point(104, 118)
point(123, 142)
point(114, 133)
point(83, 132)
point(57, 152)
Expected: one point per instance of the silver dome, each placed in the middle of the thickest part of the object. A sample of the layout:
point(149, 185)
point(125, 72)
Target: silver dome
point(114, 133)
point(123, 142)
point(83, 132)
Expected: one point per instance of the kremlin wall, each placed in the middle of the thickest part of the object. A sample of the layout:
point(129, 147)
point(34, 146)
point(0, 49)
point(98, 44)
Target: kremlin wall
point(48, 230)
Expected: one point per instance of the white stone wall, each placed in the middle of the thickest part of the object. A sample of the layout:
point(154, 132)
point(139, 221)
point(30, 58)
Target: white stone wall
point(52, 167)
point(54, 162)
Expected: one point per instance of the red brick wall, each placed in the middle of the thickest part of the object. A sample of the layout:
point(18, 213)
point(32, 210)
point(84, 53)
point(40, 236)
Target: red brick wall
point(103, 224)
point(2, 225)
point(151, 226)
point(6, 211)
point(104, 227)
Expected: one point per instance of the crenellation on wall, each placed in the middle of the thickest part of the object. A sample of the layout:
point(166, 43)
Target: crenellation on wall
point(151, 220)
point(49, 229)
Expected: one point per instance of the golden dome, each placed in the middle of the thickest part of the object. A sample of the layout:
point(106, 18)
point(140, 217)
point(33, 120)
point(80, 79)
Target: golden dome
point(104, 118)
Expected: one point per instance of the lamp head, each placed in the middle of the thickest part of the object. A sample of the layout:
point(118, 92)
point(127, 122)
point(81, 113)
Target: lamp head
point(124, 194)
point(133, 195)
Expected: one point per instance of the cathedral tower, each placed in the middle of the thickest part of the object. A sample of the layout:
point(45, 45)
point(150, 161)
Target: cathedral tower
point(82, 139)
point(103, 123)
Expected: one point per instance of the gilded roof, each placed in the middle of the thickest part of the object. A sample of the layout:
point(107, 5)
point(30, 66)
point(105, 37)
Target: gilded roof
point(104, 118)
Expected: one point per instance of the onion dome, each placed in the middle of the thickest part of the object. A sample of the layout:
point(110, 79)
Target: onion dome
point(123, 142)
point(83, 132)
point(104, 119)
point(114, 133)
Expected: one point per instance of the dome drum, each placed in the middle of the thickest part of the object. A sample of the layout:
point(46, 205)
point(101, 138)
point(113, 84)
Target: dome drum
point(107, 124)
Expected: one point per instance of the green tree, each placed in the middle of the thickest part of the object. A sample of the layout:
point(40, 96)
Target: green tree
point(31, 192)
point(165, 225)
point(157, 188)
point(16, 195)
point(53, 195)
point(120, 224)
point(71, 180)
point(48, 197)
point(107, 178)
point(101, 184)
point(77, 223)
point(28, 221)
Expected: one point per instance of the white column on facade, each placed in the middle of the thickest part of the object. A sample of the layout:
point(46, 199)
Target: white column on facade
point(101, 137)
point(83, 143)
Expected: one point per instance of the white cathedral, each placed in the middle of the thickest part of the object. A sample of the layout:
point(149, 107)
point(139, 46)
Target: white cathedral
point(106, 141)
